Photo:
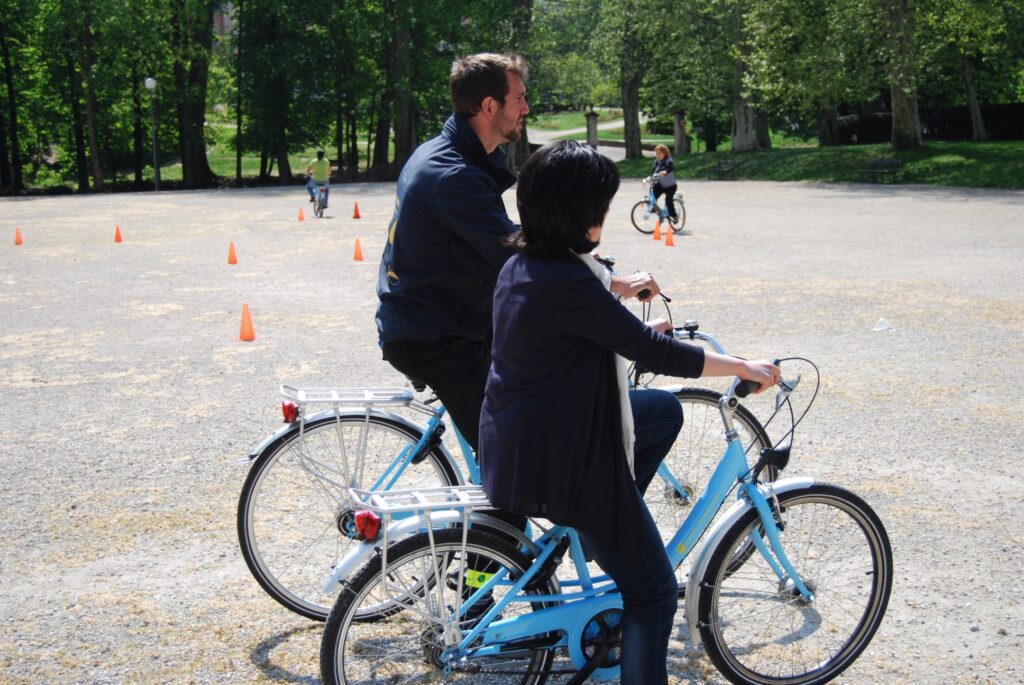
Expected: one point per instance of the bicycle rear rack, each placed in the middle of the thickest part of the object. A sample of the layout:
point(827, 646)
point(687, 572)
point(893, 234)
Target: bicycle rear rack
point(337, 399)
point(389, 502)
point(347, 397)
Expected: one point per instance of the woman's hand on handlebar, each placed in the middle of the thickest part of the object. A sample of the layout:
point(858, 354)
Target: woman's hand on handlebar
point(661, 325)
point(640, 285)
point(763, 372)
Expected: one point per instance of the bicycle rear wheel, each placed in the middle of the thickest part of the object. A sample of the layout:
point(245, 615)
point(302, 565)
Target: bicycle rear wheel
point(693, 459)
point(681, 213)
point(405, 644)
point(293, 524)
point(758, 630)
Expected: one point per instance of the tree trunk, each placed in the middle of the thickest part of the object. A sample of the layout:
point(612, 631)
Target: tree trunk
point(85, 62)
point(381, 139)
point(339, 137)
point(192, 40)
point(749, 127)
point(906, 125)
point(264, 171)
point(630, 90)
point(978, 132)
point(16, 183)
point(681, 139)
point(137, 142)
point(906, 122)
point(352, 161)
point(284, 166)
point(401, 70)
point(828, 126)
point(238, 97)
point(710, 136)
point(75, 96)
point(6, 178)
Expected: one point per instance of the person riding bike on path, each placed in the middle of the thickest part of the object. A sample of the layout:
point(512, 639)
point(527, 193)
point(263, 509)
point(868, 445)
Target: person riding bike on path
point(664, 176)
point(445, 240)
point(319, 172)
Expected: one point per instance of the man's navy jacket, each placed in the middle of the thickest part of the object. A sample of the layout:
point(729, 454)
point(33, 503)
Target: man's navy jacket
point(444, 248)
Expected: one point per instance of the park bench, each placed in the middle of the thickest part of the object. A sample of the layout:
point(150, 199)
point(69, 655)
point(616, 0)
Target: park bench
point(878, 169)
point(723, 168)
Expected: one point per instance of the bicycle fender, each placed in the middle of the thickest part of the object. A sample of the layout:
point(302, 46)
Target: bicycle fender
point(361, 553)
point(286, 432)
point(703, 553)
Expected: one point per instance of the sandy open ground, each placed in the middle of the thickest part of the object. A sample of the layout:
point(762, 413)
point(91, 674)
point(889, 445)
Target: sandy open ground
point(128, 403)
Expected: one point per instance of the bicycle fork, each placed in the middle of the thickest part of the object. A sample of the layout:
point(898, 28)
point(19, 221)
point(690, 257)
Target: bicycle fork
point(773, 553)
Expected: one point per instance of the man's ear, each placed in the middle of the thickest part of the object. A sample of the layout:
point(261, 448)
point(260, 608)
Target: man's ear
point(488, 106)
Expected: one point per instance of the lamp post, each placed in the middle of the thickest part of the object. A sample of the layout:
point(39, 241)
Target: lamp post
point(151, 87)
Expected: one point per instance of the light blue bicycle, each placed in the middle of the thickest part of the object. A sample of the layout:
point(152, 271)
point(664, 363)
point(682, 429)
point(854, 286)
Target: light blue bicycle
point(788, 587)
point(295, 516)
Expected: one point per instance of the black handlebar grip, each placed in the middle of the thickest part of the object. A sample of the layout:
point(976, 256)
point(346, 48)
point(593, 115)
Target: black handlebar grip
point(744, 388)
point(644, 294)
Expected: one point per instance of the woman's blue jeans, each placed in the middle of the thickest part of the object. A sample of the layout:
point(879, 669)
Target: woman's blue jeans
point(644, 577)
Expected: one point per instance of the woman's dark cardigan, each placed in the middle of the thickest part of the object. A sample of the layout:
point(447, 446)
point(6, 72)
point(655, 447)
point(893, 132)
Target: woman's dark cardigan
point(550, 430)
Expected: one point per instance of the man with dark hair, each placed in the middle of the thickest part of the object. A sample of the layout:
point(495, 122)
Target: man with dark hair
point(446, 240)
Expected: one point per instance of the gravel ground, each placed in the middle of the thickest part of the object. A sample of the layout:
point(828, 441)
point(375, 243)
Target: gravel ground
point(129, 403)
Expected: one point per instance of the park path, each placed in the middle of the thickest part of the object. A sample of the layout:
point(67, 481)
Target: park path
point(616, 154)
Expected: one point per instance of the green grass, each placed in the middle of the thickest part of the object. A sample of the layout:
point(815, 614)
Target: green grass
point(980, 165)
point(560, 121)
point(222, 162)
point(779, 140)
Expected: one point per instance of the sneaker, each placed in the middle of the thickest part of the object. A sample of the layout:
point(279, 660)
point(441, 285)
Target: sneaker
point(312, 200)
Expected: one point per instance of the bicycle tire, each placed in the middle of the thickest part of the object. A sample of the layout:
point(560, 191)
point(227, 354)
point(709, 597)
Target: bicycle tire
point(681, 213)
point(640, 217)
point(693, 459)
point(347, 639)
point(318, 206)
point(749, 621)
point(288, 521)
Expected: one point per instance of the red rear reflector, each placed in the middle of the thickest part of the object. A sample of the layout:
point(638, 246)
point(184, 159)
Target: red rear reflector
point(367, 525)
point(290, 411)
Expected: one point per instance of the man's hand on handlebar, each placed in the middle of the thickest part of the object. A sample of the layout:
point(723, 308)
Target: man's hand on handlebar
point(640, 285)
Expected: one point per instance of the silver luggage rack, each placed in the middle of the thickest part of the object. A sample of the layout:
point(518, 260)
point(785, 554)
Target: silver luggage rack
point(347, 397)
point(387, 502)
point(317, 401)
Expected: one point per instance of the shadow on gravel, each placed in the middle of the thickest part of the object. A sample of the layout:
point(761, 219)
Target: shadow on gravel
point(261, 656)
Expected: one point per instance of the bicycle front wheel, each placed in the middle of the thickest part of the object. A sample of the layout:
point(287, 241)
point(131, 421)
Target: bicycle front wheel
point(757, 629)
point(407, 643)
point(293, 523)
point(643, 218)
point(694, 457)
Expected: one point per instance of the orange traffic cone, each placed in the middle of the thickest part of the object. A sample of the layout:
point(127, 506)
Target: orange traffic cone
point(246, 333)
point(355, 212)
point(657, 229)
point(302, 217)
point(232, 259)
point(669, 242)
point(117, 234)
point(17, 236)
point(358, 255)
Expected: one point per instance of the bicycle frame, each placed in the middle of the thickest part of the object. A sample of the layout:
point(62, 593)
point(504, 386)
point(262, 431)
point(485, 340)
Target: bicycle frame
point(491, 636)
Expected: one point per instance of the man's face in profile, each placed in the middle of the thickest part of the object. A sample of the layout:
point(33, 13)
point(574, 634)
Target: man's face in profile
point(510, 116)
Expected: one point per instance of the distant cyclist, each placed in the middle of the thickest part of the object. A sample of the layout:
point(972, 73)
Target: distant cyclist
point(319, 172)
point(663, 172)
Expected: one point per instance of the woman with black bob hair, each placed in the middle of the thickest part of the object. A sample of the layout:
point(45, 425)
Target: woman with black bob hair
point(561, 435)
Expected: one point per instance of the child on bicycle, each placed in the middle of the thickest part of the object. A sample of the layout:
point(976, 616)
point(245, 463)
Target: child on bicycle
point(561, 435)
point(319, 172)
point(663, 175)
